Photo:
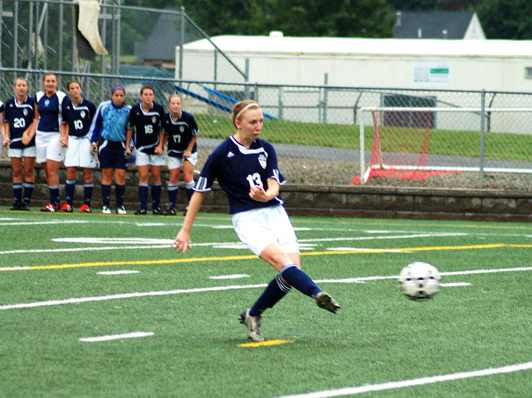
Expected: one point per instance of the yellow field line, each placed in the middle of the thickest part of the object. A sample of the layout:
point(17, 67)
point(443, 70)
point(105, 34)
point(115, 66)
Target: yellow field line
point(250, 257)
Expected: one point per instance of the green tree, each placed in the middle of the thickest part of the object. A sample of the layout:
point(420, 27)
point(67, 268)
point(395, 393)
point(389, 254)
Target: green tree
point(345, 18)
point(506, 19)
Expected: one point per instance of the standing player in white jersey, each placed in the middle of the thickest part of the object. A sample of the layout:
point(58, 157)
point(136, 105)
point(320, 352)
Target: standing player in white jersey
point(181, 133)
point(145, 120)
point(78, 113)
point(20, 112)
point(246, 169)
point(46, 129)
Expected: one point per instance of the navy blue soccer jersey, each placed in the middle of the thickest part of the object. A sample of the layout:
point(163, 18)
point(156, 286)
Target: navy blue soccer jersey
point(19, 117)
point(147, 126)
point(180, 133)
point(237, 168)
point(78, 117)
point(50, 111)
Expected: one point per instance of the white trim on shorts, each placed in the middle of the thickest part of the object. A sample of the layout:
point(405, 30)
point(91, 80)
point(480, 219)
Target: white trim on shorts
point(28, 152)
point(143, 159)
point(49, 147)
point(176, 163)
point(78, 153)
point(257, 228)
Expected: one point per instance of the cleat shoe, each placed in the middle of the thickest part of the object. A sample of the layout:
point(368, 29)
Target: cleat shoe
point(16, 206)
point(24, 207)
point(85, 209)
point(253, 325)
point(106, 210)
point(185, 212)
point(66, 208)
point(121, 210)
point(141, 212)
point(157, 211)
point(325, 301)
point(170, 212)
point(49, 208)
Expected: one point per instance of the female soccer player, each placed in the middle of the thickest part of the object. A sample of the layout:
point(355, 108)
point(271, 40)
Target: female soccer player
point(77, 117)
point(46, 128)
point(181, 133)
point(246, 169)
point(145, 118)
point(108, 136)
point(19, 115)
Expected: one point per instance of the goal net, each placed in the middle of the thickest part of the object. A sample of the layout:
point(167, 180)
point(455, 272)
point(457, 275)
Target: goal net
point(403, 141)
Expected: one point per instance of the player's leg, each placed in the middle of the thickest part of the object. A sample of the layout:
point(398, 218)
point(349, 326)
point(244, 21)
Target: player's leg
point(120, 189)
point(156, 188)
point(188, 176)
point(174, 168)
point(143, 188)
point(16, 165)
point(55, 154)
point(88, 187)
point(29, 176)
point(107, 180)
point(70, 189)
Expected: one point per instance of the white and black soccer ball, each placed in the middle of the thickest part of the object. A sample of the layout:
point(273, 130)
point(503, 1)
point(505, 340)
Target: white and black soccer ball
point(419, 280)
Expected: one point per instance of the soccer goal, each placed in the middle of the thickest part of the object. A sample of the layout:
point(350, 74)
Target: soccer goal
point(403, 142)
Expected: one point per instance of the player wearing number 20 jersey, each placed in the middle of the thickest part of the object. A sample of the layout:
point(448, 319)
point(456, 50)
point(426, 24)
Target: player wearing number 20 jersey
point(20, 117)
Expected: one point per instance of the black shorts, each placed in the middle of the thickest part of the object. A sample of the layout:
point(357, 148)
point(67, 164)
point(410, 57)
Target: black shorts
point(111, 155)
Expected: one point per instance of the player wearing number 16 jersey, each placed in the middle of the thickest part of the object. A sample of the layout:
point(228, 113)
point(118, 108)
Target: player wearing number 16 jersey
point(78, 113)
point(145, 120)
point(246, 169)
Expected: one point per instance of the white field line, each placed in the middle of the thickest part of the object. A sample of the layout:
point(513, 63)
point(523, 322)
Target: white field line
point(234, 276)
point(122, 272)
point(134, 335)
point(455, 284)
point(414, 382)
point(224, 288)
point(165, 243)
point(44, 222)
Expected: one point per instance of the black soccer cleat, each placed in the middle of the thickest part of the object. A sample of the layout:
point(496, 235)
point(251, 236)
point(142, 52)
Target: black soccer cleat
point(325, 301)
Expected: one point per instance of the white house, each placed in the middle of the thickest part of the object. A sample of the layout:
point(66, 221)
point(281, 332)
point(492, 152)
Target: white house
point(405, 63)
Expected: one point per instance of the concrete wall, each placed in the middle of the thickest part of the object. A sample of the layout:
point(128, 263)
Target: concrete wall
point(344, 201)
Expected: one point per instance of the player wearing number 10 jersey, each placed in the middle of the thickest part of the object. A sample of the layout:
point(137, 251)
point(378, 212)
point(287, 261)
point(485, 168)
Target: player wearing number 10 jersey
point(145, 119)
point(78, 113)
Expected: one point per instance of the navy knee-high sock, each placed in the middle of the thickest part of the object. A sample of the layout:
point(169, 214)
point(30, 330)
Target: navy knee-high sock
point(120, 193)
point(155, 195)
point(87, 193)
point(28, 191)
point(172, 194)
point(106, 195)
point(17, 192)
point(143, 191)
point(301, 281)
point(70, 189)
point(275, 291)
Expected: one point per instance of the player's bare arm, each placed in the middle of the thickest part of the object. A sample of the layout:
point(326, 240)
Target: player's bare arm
point(5, 139)
point(182, 240)
point(259, 194)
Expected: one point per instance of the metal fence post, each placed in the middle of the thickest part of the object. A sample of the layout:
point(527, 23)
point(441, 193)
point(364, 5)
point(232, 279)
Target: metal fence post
point(482, 132)
point(280, 106)
point(246, 79)
point(325, 97)
point(182, 43)
point(362, 160)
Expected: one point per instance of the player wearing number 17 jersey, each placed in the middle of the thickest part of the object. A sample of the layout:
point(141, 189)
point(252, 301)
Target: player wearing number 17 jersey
point(78, 113)
point(246, 169)
point(145, 120)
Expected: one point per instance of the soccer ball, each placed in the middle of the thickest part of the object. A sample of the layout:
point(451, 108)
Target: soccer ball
point(419, 280)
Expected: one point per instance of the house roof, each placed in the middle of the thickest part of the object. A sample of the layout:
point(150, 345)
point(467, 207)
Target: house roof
point(432, 24)
point(360, 47)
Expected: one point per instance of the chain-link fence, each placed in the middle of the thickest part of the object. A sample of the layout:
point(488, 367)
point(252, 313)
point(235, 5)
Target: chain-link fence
point(316, 129)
